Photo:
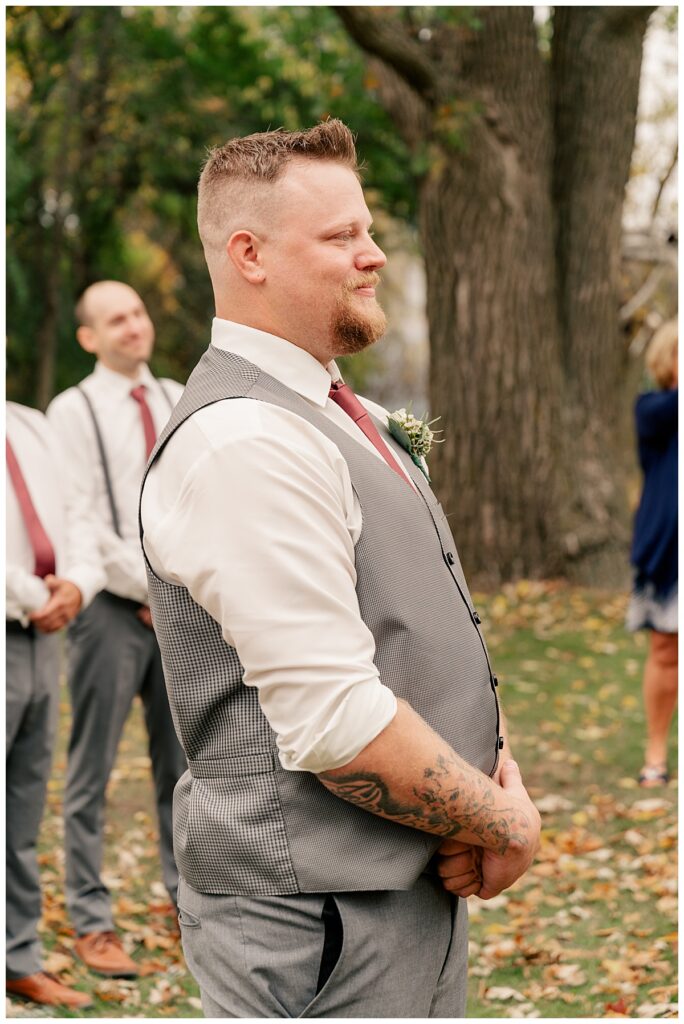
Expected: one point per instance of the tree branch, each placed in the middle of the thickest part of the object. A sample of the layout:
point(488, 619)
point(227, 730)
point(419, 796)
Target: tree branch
point(664, 180)
point(644, 334)
point(385, 38)
point(621, 19)
point(643, 294)
point(406, 107)
point(646, 247)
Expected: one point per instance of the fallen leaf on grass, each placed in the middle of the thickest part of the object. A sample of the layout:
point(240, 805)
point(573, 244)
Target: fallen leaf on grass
point(617, 970)
point(620, 1007)
point(110, 994)
point(524, 1010)
point(127, 924)
point(165, 907)
point(160, 941)
point(651, 805)
point(591, 732)
point(124, 905)
point(495, 903)
point(148, 967)
point(657, 1010)
point(500, 950)
point(164, 992)
point(56, 962)
point(552, 803)
point(566, 974)
point(501, 994)
point(663, 993)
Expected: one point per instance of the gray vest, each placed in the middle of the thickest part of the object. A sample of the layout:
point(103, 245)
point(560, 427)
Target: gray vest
point(244, 825)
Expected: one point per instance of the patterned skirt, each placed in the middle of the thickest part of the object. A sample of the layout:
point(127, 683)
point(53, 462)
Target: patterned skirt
point(649, 610)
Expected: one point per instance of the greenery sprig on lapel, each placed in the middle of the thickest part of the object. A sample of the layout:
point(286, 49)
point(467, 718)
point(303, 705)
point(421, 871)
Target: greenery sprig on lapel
point(414, 434)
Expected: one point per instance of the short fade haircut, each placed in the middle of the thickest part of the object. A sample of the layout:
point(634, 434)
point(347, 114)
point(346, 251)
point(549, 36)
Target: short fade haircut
point(661, 352)
point(254, 161)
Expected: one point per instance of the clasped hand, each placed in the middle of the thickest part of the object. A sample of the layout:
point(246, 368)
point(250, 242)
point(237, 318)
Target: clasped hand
point(467, 870)
point(63, 603)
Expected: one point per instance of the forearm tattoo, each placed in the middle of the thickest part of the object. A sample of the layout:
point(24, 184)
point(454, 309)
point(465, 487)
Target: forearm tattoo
point(452, 798)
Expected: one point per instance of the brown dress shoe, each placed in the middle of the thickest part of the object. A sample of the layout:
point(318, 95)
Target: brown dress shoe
point(46, 989)
point(103, 953)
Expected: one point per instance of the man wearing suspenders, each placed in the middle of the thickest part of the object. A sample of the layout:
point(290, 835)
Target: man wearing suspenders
point(51, 571)
point(107, 426)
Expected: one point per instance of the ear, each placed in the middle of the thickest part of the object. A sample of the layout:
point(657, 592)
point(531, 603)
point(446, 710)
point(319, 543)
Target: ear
point(87, 339)
point(244, 251)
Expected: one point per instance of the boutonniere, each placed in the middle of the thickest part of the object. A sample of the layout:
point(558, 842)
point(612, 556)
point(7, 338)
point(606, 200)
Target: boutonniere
point(414, 435)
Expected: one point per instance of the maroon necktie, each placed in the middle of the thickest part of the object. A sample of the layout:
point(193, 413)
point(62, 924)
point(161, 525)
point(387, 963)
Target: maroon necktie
point(43, 550)
point(146, 416)
point(343, 395)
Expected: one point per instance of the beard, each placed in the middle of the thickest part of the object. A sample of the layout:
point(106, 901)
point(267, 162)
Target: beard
point(354, 328)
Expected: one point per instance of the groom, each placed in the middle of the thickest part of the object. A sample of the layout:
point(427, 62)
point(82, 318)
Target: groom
point(326, 671)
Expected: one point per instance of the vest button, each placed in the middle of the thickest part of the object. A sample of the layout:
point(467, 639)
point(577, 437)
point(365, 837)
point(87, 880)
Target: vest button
point(501, 742)
point(450, 558)
point(495, 680)
point(477, 618)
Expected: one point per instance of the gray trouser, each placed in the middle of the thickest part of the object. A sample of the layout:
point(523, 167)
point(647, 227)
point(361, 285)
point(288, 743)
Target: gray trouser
point(352, 954)
point(32, 661)
point(112, 657)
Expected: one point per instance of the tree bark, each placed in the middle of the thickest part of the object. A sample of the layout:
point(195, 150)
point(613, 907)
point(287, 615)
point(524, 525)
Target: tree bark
point(595, 73)
point(526, 356)
point(494, 377)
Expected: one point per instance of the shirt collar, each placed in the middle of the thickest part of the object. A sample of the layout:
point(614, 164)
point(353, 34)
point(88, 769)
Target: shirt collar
point(291, 365)
point(119, 383)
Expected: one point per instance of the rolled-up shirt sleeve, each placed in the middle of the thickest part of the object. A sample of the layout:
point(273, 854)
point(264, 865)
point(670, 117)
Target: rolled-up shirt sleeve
point(258, 535)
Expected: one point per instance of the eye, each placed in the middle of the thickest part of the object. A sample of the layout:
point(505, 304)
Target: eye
point(345, 236)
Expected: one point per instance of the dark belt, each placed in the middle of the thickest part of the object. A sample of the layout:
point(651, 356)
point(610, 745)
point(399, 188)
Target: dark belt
point(15, 628)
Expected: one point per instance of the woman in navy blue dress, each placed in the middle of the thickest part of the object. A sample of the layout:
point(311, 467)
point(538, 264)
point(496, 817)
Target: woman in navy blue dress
point(653, 605)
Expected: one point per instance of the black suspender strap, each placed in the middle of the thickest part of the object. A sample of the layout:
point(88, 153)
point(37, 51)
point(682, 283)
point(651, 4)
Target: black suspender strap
point(103, 461)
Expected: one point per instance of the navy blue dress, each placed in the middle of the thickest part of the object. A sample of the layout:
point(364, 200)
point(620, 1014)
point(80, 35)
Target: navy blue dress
point(654, 547)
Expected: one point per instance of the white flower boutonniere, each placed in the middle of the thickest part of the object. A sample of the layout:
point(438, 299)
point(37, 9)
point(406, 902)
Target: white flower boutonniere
point(414, 435)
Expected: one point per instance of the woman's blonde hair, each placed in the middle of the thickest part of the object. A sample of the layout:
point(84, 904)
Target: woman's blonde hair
point(661, 352)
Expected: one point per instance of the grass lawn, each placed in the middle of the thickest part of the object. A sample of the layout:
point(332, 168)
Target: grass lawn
point(589, 932)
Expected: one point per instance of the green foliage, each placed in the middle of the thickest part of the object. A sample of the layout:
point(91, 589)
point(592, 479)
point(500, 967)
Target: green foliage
point(110, 114)
point(671, 18)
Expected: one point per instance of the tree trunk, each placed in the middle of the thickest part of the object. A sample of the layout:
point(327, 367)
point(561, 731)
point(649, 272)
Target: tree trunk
point(526, 360)
point(486, 226)
point(595, 80)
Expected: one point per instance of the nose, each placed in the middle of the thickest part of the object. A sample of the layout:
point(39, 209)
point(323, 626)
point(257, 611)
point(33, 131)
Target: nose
point(371, 256)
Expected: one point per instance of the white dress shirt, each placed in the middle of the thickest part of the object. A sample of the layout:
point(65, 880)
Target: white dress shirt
point(251, 508)
point(119, 419)
point(42, 465)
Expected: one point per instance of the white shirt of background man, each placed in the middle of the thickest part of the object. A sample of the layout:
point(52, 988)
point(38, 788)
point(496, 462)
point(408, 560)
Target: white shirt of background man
point(77, 558)
point(120, 423)
point(251, 508)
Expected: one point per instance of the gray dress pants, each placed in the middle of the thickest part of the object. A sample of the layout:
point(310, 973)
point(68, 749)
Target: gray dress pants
point(352, 954)
point(32, 692)
point(112, 657)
